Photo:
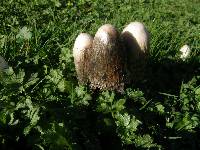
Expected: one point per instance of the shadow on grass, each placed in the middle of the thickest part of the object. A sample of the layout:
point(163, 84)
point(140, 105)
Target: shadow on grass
point(166, 76)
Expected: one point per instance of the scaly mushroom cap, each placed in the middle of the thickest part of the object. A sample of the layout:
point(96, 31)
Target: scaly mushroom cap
point(106, 65)
point(82, 46)
point(136, 39)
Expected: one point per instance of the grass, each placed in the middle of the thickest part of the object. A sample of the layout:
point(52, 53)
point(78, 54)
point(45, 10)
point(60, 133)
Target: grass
point(37, 37)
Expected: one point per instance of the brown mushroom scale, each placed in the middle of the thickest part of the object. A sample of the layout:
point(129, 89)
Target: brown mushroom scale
point(106, 64)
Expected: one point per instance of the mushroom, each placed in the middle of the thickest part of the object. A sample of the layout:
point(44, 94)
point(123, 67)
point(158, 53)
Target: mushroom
point(82, 46)
point(108, 60)
point(185, 52)
point(135, 38)
point(106, 67)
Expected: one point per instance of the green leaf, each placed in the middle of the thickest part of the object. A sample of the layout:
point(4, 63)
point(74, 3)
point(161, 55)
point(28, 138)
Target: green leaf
point(160, 108)
point(119, 105)
point(20, 76)
point(81, 97)
point(136, 96)
point(56, 3)
point(107, 97)
point(197, 92)
point(123, 120)
point(2, 40)
point(65, 55)
point(144, 141)
point(32, 80)
point(24, 34)
point(187, 122)
point(33, 115)
point(61, 85)
point(3, 117)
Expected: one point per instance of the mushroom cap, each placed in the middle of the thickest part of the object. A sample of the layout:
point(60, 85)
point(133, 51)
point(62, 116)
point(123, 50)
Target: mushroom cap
point(136, 35)
point(185, 50)
point(82, 42)
point(106, 33)
point(106, 66)
point(136, 38)
point(82, 46)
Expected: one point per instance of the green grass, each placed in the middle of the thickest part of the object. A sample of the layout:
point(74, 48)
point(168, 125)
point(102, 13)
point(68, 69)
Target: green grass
point(42, 106)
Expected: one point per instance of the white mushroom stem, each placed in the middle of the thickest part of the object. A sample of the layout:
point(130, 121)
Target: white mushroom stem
point(185, 52)
point(82, 46)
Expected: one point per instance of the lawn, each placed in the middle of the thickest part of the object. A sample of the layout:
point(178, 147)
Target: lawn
point(43, 107)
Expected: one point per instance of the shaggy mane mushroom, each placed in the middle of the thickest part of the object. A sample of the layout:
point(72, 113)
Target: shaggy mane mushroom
point(111, 60)
point(135, 38)
point(82, 46)
point(106, 69)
